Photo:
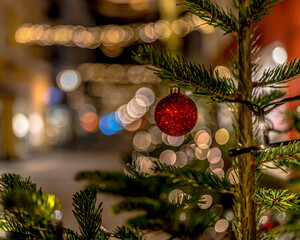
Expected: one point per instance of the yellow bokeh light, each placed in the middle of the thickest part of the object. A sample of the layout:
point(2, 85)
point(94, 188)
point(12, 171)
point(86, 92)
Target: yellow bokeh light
point(21, 35)
point(180, 27)
point(222, 136)
point(222, 71)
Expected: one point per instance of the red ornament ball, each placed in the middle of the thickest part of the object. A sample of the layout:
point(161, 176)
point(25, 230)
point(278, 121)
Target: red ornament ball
point(176, 114)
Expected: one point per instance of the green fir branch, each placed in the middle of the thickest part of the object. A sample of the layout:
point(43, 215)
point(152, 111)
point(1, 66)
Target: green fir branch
point(136, 203)
point(279, 199)
point(10, 181)
point(279, 75)
point(280, 156)
point(117, 183)
point(213, 15)
point(186, 73)
point(258, 9)
point(71, 235)
point(194, 177)
point(128, 233)
point(27, 211)
point(264, 98)
point(89, 215)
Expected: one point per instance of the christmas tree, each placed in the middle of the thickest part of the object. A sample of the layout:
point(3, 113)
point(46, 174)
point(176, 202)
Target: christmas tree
point(29, 213)
point(251, 106)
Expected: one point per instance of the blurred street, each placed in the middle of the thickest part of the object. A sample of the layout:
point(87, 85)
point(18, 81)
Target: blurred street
point(54, 172)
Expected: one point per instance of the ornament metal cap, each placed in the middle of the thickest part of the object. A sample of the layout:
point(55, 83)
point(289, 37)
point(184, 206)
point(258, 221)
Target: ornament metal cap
point(174, 89)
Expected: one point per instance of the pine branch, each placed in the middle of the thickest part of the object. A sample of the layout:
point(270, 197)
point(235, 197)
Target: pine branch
point(194, 177)
point(88, 215)
point(118, 183)
point(137, 203)
point(186, 73)
point(214, 15)
point(128, 233)
point(278, 199)
point(264, 98)
point(71, 235)
point(281, 156)
point(258, 9)
point(11, 181)
point(279, 75)
point(28, 211)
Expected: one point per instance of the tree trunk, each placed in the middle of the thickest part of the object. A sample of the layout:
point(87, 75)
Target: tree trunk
point(245, 211)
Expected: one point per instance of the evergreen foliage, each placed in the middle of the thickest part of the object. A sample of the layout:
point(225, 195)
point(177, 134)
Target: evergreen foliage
point(29, 212)
point(213, 15)
point(186, 73)
point(250, 199)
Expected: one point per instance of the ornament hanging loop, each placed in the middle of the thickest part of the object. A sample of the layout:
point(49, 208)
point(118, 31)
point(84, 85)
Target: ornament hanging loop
point(174, 87)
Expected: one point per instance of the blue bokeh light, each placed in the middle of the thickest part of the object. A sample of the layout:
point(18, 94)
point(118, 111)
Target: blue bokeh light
point(54, 96)
point(109, 125)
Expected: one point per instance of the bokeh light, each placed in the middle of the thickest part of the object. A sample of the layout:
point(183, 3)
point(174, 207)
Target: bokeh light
point(219, 172)
point(53, 96)
point(214, 155)
point(176, 196)
point(168, 157)
point(207, 201)
point(136, 108)
point(142, 141)
point(222, 136)
point(68, 80)
point(279, 55)
point(58, 215)
point(200, 153)
point(232, 176)
point(36, 123)
point(36, 129)
point(20, 125)
point(221, 225)
point(181, 159)
point(175, 141)
point(109, 125)
point(133, 126)
point(156, 135)
point(146, 95)
point(263, 219)
point(110, 38)
point(190, 151)
point(281, 216)
point(222, 72)
point(182, 216)
point(229, 215)
point(219, 164)
point(203, 139)
point(89, 121)
point(58, 117)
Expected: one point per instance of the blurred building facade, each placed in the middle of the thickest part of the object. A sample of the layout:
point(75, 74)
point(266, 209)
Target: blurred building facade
point(24, 73)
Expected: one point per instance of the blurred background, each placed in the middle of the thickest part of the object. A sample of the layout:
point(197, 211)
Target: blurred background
point(72, 98)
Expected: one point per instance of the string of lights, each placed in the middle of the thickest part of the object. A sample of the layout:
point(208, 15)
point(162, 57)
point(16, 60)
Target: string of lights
point(109, 37)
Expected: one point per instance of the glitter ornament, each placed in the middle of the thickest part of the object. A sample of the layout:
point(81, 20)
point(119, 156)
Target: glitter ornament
point(176, 114)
